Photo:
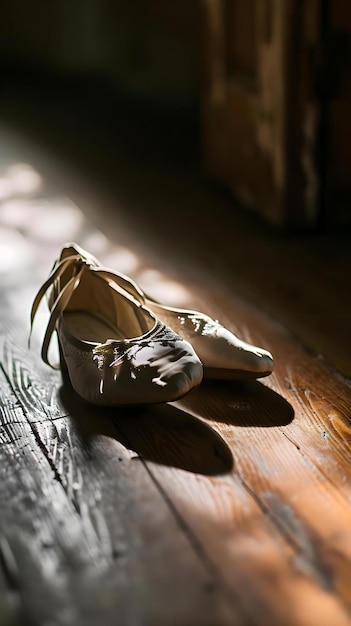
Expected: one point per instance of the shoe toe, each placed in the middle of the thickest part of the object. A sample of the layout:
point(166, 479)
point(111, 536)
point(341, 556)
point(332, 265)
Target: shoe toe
point(256, 360)
point(177, 371)
point(226, 356)
point(155, 373)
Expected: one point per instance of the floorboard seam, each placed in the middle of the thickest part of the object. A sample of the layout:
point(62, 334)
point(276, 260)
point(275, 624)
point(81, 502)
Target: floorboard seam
point(234, 599)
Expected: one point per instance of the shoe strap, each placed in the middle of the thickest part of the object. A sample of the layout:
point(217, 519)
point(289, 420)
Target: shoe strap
point(62, 299)
point(78, 264)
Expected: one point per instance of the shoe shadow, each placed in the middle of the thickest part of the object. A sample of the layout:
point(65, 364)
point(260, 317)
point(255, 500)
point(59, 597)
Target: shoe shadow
point(238, 403)
point(163, 434)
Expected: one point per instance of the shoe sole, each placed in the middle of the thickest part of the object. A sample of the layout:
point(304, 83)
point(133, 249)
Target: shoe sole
point(215, 373)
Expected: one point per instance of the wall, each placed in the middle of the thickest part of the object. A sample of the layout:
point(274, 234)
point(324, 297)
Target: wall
point(149, 48)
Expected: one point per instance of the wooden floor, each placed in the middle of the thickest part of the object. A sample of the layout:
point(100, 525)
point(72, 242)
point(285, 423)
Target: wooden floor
point(229, 507)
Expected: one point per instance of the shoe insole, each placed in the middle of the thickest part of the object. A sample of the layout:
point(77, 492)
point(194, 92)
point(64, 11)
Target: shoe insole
point(87, 326)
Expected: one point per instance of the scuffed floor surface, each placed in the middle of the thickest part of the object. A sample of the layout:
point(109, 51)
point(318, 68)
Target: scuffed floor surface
point(229, 507)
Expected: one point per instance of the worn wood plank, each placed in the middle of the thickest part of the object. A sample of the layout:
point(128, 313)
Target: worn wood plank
point(147, 433)
point(162, 435)
point(239, 561)
point(119, 505)
point(41, 539)
point(152, 435)
point(300, 480)
point(9, 600)
point(252, 522)
point(255, 556)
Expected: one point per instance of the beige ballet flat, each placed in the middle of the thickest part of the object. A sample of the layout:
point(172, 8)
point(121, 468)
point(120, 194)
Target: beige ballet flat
point(116, 350)
point(223, 355)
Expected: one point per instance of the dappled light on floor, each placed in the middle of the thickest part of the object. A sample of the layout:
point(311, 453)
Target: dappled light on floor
point(237, 495)
point(34, 219)
point(15, 252)
point(44, 219)
point(162, 289)
point(18, 179)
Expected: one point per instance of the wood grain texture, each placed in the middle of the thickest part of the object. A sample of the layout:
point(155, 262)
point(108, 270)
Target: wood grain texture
point(296, 467)
point(209, 494)
point(121, 531)
point(229, 507)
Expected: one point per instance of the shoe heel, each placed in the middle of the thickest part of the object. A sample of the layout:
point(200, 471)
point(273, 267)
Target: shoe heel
point(63, 365)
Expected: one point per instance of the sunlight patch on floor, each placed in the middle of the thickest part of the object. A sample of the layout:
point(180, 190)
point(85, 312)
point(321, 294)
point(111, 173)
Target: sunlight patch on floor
point(15, 253)
point(161, 288)
point(18, 179)
point(46, 219)
point(35, 224)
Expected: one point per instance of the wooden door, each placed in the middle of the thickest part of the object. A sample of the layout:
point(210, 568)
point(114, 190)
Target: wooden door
point(336, 98)
point(260, 110)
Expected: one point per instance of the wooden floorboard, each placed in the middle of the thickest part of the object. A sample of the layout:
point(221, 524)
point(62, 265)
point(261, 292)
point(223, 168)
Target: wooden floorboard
point(231, 506)
point(120, 530)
